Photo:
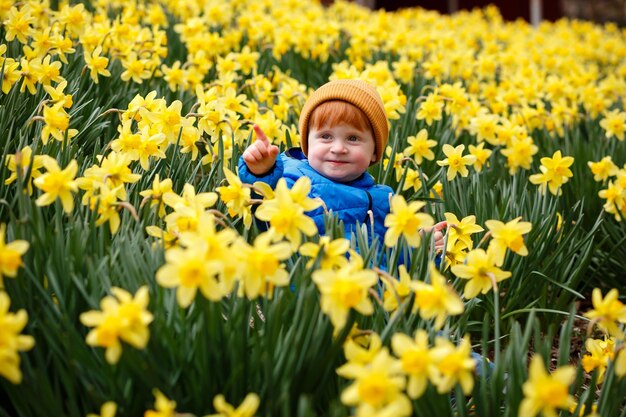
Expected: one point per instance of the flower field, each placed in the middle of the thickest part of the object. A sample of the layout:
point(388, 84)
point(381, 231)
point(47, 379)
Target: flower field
point(139, 276)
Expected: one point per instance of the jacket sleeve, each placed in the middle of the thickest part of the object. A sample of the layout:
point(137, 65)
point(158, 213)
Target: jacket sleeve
point(271, 178)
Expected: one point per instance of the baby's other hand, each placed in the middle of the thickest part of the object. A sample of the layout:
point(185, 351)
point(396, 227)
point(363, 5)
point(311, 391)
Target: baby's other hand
point(438, 235)
point(261, 155)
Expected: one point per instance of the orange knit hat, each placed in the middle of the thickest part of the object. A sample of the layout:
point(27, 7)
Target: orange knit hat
point(356, 92)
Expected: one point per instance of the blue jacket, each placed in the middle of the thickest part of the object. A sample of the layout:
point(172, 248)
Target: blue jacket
point(350, 201)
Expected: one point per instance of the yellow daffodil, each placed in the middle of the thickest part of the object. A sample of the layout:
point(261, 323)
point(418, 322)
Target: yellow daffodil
point(96, 64)
point(188, 271)
point(481, 271)
point(57, 183)
point(554, 172)
point(10, 255)
point(23, 163)
point(420, 147)
point(481, 154)
point(164, 407)
point(10, 74)
point(57, 123)
point(155, 194)
point(607, 312)
point(507, 236)
point(11, 325)
point(18, 25)
point(545, 393)
point(333, 253)
point(461, 230)
point(430, 109)
point(247, 408)
point(404, 220)
point(417, 363)
point(519, 153)
point(456, 161)
point(108, 409)
point(376, 385)
point(614, 124)
point(599, 353)
point(286, 215)
point(359, 354)
point(603, 169)
point(437, 299)
point(344, 289)
point(453, 365)
point(57, 94)
point(236, 197)
point(122, 317)
point(396, 291)
point(263, 270)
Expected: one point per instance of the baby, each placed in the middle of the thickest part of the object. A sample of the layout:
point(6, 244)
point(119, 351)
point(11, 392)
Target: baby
point(344, 130)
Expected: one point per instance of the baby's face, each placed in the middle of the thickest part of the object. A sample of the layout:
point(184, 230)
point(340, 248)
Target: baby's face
point(341, 152)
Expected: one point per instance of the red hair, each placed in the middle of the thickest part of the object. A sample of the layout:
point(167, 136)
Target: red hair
point(334, 112)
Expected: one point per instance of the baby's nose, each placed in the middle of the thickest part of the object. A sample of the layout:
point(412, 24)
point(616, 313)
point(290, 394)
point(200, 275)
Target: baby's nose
point(338, 147)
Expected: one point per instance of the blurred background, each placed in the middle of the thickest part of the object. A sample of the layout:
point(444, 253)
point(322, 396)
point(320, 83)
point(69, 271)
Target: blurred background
point(600, 11)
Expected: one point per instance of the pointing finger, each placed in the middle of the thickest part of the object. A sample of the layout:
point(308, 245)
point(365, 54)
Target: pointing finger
point(260, 135)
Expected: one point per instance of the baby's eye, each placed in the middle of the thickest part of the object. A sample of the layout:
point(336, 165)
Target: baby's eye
point(353, 138)
point(326, 136)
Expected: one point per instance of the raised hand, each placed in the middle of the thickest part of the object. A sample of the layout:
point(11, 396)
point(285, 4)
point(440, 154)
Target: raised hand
point(261, 155)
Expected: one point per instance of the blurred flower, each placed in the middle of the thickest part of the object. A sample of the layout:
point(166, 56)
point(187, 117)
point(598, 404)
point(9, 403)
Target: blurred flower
point(416, 360)
point(24, 161)
point(188, 270)
point(396, 291)
point(57, 122)
point(519, 153)
point(614, 124)
point(122, 317)
point(57, 183)
point(437, 299)
point(10, 255)
point(360, 352)
point(404, 220)
point(248, 406)
point(431, 109)
point(481, 154)
point(262, 269)
point(456, 161)
point(57, 94)
point(607, 312)
point(11, 341)
point(164, 406)
point(108, 409)
point(376, 386)
point(620, 363)
point(599, 353)
point(345, 288)
point(603, 169)
point(454, 365)
point(484, 126)
point(17, 25)
point(333, 253)
point(507, 236)
point(135, 68)
point(236, 197)
point(544, 392)
point(155, 194)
